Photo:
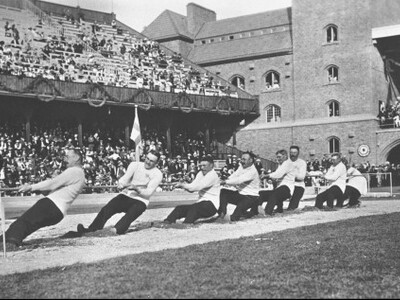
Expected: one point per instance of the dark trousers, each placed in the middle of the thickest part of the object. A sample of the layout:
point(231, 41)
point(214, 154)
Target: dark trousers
point(120, 204)
point(242, 202)
point(43, 213)
point(329, 196)
point(193, 212)
point(352, 194)
point(274, 198)
point(297, 195)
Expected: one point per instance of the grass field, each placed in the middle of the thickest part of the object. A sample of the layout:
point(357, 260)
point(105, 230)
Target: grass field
point(357, 258)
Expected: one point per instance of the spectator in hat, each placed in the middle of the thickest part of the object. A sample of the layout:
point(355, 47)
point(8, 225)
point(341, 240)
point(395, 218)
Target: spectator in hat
point(7, 29)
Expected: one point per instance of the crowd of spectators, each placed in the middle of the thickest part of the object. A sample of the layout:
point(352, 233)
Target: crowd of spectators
point(106, 156)
point(103, 56)
point(389, 115)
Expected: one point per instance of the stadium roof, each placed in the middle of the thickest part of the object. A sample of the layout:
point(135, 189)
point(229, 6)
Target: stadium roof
point(168, 24)
point(261, 45)
point(245, 23)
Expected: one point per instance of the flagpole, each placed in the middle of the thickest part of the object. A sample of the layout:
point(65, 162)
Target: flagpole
point(137, 154)
point(3, 225)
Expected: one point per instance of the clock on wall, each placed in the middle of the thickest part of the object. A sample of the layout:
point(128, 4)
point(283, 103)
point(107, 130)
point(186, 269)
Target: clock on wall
point(363, 150)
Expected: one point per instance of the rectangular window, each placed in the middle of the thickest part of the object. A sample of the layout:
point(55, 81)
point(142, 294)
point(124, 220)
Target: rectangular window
point(231, 37)
point(222, 38)
point(203, 42)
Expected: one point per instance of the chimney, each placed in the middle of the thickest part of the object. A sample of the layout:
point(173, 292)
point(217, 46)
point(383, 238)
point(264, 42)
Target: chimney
point(197, 16)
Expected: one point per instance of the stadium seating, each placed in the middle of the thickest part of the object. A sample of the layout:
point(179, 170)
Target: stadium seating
point(86, 52)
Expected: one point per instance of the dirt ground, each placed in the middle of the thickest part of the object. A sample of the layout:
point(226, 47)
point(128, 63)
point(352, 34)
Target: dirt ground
point(46, 249)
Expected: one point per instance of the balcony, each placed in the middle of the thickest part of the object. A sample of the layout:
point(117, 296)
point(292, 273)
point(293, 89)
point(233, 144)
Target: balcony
point(98, 95)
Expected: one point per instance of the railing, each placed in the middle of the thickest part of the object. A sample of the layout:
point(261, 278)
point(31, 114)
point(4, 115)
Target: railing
point(388, 182)
point(76, 91)
point(221, 151)
point(389, 124)
point(86, 190)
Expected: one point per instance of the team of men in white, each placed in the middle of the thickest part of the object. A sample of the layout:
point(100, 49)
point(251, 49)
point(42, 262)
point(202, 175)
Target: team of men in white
point(207, 184)
point(242, 189)
point(51, 209)
point(336, 177)
point(138, 184)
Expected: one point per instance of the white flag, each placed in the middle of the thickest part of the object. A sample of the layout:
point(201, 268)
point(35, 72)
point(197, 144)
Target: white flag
point(135, 134)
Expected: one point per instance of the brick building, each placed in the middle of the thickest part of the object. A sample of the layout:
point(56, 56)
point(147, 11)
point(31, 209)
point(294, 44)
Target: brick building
point(318, 68)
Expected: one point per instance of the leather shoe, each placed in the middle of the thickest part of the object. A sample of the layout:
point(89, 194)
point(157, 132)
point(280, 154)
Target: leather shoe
point(81, 229)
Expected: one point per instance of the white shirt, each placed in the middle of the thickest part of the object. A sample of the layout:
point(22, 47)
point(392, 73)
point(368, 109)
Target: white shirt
point(301, 171)
point(208, 187)
point(336, 175)
point(247, 180)
point(357, 180)
point(285, 174)
point(147, 179)
point(63, 188)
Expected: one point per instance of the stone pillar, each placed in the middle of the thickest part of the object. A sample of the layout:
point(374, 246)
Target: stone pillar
point(207, 136)
point(234, 138)
point(28, 112)
point(127, 135)
point(80, 133)
point(168, 125)
point(80, 115)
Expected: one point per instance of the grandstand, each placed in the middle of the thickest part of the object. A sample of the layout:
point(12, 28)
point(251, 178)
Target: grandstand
point(68, 80)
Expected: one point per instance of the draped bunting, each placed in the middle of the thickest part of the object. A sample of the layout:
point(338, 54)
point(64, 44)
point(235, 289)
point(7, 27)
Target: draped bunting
point(97, 95)
point(393, 79)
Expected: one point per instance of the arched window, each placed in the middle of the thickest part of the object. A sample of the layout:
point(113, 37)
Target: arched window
point(238, 81)
point(273, 113)
point(333, 74)
point(333, 108)
point(334, 145)
point(331, 34)
point(272, 80)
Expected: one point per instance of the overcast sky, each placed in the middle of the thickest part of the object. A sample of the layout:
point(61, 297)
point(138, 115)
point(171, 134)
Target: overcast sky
point(140, 13)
